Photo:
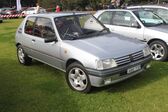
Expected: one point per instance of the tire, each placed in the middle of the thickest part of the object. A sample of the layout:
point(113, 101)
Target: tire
point(22, 56)
point(159, 50)
point(77, 78)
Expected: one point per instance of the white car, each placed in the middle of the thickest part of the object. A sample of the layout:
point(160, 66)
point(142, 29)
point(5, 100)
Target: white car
point(144, 25)
point(32, 10)
point(161, 11)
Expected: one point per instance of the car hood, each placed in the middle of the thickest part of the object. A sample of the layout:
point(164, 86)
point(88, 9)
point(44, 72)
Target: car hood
point(160, 28)
point(108, 46)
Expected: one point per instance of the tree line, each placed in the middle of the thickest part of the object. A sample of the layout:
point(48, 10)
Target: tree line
point(12, 3)
point(82, 4)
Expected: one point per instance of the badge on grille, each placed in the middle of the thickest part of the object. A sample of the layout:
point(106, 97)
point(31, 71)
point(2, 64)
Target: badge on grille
point(131, 58)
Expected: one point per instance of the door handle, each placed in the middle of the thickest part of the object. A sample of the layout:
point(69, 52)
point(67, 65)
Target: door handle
point(33, 40)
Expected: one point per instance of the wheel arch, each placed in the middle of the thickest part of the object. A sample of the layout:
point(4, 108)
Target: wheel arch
point(70, 61)
point(17, 44)
point(164, 44)
point(155, 39)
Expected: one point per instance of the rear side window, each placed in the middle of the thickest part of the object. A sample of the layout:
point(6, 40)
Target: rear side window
point(43, 28)
point(29, 25)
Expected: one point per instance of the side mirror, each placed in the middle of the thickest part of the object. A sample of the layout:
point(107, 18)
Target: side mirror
point(108, 29)
point(135, 24)
point(48, 40)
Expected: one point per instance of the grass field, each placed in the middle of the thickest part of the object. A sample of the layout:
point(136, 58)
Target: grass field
point(40, 88)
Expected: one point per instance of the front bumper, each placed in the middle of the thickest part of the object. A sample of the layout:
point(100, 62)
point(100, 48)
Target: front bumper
point(99, 78)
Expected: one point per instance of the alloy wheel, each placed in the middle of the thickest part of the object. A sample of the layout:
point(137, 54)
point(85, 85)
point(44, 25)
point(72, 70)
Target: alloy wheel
point(157, 51)
point(21, 55)
point(78, 79)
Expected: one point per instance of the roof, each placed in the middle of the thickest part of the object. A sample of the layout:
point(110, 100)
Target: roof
point(147, 6)
point(114, 10)
point(60, 14)
point(100, 11)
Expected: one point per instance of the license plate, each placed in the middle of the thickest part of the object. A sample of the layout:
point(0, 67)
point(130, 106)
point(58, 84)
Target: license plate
point(133, 69)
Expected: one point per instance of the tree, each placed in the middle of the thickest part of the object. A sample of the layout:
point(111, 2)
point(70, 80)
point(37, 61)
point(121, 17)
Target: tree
point(83, 3)
point(94, 4)
point(11, 3)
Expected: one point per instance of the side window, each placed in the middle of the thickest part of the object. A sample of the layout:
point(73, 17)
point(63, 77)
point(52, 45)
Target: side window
point(29, 25)
point(43, 28)
point(105, 17)
point(122, 18)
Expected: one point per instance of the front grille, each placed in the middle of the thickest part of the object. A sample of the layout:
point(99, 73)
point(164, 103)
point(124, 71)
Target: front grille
point(138, 55)
point(129, 58)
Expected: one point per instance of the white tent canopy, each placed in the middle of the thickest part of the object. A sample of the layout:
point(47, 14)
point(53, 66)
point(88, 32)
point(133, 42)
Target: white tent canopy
point(18, 5)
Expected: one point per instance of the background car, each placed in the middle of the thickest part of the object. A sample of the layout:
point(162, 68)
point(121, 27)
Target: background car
point(140, 24)
point(1, 11)
point(7, 11)
point(161, 11)
point(1, 19)
point(79, 45)
point(10, 11)
point(32, 10)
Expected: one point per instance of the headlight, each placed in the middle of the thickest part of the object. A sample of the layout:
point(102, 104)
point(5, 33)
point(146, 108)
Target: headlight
point(105, 64)
point(146, 51)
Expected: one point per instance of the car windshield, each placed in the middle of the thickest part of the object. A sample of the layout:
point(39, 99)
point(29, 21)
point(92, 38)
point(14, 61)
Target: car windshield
point(148, 18)
point(79, 26)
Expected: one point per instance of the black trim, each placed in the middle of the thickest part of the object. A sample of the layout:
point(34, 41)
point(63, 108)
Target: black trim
point(118, 70)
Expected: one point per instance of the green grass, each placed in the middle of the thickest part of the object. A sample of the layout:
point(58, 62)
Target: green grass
point(40, 88)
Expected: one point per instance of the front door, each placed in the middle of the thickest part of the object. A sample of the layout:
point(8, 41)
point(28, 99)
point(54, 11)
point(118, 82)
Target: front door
point(46, 52)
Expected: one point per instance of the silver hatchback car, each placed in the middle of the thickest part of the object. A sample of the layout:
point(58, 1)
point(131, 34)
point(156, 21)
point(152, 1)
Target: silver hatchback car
point(78, 44)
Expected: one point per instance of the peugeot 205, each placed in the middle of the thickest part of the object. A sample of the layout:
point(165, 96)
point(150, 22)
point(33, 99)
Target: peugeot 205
point(78, 44)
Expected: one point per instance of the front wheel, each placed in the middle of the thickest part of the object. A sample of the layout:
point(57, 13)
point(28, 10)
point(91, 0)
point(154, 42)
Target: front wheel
point(159, 50)
point(77, 78)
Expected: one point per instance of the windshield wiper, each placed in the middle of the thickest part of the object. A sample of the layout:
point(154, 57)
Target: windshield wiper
point(160, 24)
point(102, 31)
point(86, 35)
point(69, 37)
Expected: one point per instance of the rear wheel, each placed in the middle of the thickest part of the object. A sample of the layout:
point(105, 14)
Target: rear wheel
point(22, 56)
point(159, 50)
point(77, 78)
